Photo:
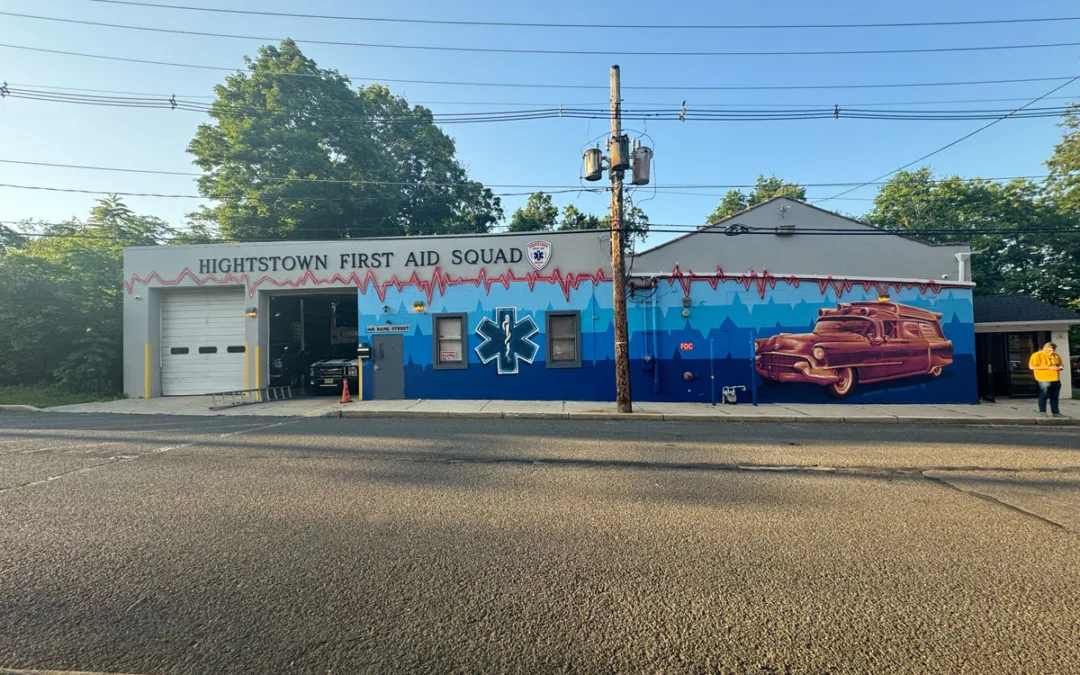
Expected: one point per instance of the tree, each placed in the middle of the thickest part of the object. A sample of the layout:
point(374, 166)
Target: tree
point(764, 190)
point(573, 219)
point(1063, 184)
point(538, 215)
point(635, 225)
point(9, 239)
point(1044, 265)
point(61, 315)
point(36, 330)
point(293, 152)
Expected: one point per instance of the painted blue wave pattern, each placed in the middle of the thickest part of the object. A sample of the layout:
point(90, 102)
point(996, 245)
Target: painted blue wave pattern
point(669, 351)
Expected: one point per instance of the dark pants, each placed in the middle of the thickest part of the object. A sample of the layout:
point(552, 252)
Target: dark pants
point(1049, 390)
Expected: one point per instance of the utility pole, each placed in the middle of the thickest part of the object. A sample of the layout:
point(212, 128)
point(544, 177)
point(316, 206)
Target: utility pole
point(618, 150)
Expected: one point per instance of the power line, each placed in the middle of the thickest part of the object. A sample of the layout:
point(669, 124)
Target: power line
point(561, 52)
point(672, 114)
point(959, 140)
point(518, 24)
point(657, 228)
point(396, 197)
point(556, 104)
point(682, 229)
point(550, 189)
point(526, 85)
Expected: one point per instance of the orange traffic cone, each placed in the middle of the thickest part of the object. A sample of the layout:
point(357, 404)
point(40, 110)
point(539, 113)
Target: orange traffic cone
point(345, 392)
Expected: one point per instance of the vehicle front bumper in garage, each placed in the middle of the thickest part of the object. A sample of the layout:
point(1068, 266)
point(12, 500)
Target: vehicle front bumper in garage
point(331, 379)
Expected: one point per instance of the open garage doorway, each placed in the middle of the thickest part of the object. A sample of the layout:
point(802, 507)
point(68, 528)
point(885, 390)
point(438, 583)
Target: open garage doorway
point(313, 338)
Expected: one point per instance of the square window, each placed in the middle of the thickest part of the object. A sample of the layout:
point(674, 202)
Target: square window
point(449, 342)
point(563, 339)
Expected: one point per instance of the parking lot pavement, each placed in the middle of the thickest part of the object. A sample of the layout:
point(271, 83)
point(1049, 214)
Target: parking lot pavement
point(147, 544)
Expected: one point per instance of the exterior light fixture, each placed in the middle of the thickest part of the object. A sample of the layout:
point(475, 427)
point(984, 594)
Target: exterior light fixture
point(251, 312)
point(883, 298)
point(418, 306)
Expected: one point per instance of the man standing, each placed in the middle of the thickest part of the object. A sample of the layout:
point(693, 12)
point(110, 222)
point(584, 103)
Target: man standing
point(1047, 366)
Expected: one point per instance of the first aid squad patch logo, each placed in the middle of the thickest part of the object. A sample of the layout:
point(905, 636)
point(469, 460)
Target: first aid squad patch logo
point(539, 253)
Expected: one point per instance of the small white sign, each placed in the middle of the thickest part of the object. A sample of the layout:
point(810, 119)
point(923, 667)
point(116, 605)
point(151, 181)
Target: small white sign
point(388, 328)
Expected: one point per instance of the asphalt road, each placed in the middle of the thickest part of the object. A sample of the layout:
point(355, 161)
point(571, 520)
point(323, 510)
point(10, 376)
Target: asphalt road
point(203, 545)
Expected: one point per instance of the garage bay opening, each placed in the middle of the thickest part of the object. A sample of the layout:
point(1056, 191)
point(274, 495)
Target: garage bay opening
point(313, 338)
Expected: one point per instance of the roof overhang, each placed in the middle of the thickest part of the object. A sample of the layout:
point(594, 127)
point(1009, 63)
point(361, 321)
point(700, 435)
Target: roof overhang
point(1009, 326)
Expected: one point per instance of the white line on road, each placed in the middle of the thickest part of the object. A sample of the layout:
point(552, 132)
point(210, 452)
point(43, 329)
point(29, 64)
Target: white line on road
point(7, 671)
point(116, 459)
point(79, 446)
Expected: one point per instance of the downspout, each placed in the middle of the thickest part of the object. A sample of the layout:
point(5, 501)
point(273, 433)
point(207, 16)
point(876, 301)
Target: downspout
point(655, 339)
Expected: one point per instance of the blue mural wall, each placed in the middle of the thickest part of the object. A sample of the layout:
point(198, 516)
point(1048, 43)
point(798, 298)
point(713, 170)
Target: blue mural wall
point(670, 352)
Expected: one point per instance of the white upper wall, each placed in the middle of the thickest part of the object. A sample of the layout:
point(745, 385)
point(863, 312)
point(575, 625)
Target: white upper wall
point(855, 256)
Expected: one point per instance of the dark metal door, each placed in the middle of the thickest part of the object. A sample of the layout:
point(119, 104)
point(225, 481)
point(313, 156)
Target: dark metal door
point(389, 367)
point(984, 366)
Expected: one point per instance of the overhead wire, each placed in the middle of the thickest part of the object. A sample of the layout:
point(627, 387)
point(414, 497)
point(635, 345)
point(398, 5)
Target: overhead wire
point(396, 197)
point(951, 144)
point(550, 104)
point(414, 116)
point(519, 186)
point(523, 24)
point(549, 52)
point(533, 85)
point(661, 228)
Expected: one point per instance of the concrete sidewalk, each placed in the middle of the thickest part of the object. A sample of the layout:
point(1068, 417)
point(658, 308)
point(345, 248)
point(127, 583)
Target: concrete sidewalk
point(1011, 412)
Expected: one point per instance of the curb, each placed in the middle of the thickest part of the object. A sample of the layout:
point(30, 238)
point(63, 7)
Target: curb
point(19, 408)
point(685, 417)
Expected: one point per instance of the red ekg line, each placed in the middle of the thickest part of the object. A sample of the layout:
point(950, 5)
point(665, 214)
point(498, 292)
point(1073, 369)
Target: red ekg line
point(440, 281)
point(766, 281)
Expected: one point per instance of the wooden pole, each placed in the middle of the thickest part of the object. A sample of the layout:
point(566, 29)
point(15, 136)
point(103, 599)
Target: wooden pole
point(618, 270)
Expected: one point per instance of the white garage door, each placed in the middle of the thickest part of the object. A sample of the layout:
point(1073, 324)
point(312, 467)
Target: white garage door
point(202, 342)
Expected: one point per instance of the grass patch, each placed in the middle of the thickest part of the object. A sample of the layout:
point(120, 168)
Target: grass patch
point(47, 396)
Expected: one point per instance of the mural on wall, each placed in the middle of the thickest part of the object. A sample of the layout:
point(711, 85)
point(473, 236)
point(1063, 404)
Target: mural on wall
point(507, 340)
point(734, 320)
point(857, 342)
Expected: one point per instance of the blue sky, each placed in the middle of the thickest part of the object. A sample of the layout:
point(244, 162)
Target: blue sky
point(547, 152)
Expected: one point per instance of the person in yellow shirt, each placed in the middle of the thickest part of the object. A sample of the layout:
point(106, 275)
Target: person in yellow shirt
point(1047, 366)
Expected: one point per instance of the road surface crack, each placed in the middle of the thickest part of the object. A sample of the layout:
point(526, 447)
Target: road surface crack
point(994, 500)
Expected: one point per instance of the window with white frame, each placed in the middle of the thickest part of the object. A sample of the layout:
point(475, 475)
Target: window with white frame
point(450, 341)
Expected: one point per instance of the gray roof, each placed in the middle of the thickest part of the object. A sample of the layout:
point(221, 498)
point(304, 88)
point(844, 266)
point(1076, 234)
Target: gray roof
point(1019, 309)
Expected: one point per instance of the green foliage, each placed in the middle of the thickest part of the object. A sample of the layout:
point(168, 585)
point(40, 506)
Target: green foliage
point(46, 396)
point(311, 158)
point(1064, 181)
point(61, 312)
point(36, 329)
point(635, 225)
point(573, 219)
point(538, 215)
point(1044, 265)
point(764, 190)
point(9, 240)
